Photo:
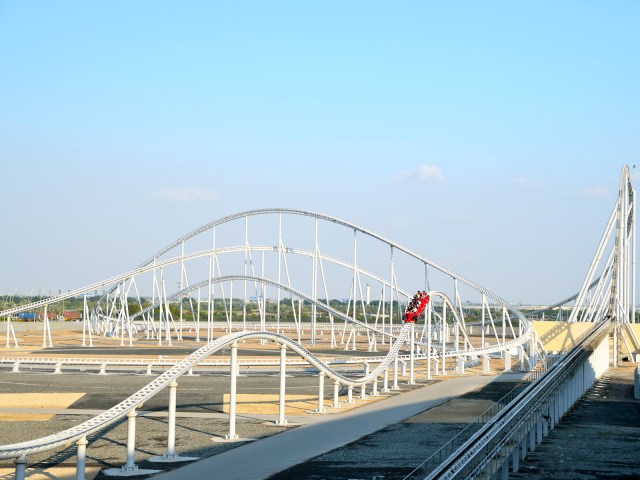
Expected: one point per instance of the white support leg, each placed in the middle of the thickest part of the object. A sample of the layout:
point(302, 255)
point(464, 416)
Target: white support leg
point(232, 435)
point(129, 468)
point(336, 395)
point(131, 442)
point(171, 455)
point(412, 353)
point(395, 374)
point(320, 408)
point(385, 381)
point(283, 378)
point(21, 467)
point(507, 362)
point(81, 461)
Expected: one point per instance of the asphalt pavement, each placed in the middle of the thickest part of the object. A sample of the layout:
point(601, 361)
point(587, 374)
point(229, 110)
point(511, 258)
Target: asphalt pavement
point(260, 460)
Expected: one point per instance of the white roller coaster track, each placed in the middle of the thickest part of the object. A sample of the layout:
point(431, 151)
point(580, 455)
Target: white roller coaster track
point(67, 437)
point(338, 221)
point(71, 435)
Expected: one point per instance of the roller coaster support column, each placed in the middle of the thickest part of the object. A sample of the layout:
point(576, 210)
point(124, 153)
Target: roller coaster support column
point(350, 394)
point(412, 346)
point(507, 361)
point(395, 374)
point(130, 468)
point(232, 393)
point(171, 438)
point(283, 378)
point(171, 455)
point(131, 442)
point(81, 461)
point(21, 467)
point(336, 395)
point(428, 340)
point(320, 408)
point(385, 381)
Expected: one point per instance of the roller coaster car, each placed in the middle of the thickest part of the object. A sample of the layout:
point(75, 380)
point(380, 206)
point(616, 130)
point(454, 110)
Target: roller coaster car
point(411, 316)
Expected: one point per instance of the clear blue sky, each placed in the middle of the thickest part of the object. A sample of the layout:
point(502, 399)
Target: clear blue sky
point(125, 124)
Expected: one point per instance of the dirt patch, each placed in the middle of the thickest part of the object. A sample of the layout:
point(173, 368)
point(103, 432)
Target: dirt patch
point(39, 400)
point(59, 473)
point(268, 404)
point(454, 411)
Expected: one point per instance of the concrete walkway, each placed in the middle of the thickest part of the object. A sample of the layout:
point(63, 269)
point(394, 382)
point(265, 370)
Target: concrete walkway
point(263, 458)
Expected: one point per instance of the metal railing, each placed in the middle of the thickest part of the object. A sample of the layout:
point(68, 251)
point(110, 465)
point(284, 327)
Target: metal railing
point(509, 423)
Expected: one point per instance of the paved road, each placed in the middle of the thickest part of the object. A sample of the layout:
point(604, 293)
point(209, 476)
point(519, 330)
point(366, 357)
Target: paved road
point(259, 460)
point(199, 393)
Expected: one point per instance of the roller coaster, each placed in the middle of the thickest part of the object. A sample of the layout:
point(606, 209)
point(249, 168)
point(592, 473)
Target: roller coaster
point(270, 266)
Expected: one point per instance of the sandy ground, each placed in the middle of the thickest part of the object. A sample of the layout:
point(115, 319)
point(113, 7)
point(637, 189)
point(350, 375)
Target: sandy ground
point(30, 400)
point(58, 473)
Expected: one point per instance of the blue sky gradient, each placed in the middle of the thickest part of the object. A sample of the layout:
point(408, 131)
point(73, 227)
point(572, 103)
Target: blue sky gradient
point(124, 125)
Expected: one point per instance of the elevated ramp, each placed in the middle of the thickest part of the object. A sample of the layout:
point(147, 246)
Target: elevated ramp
point(561, 336)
